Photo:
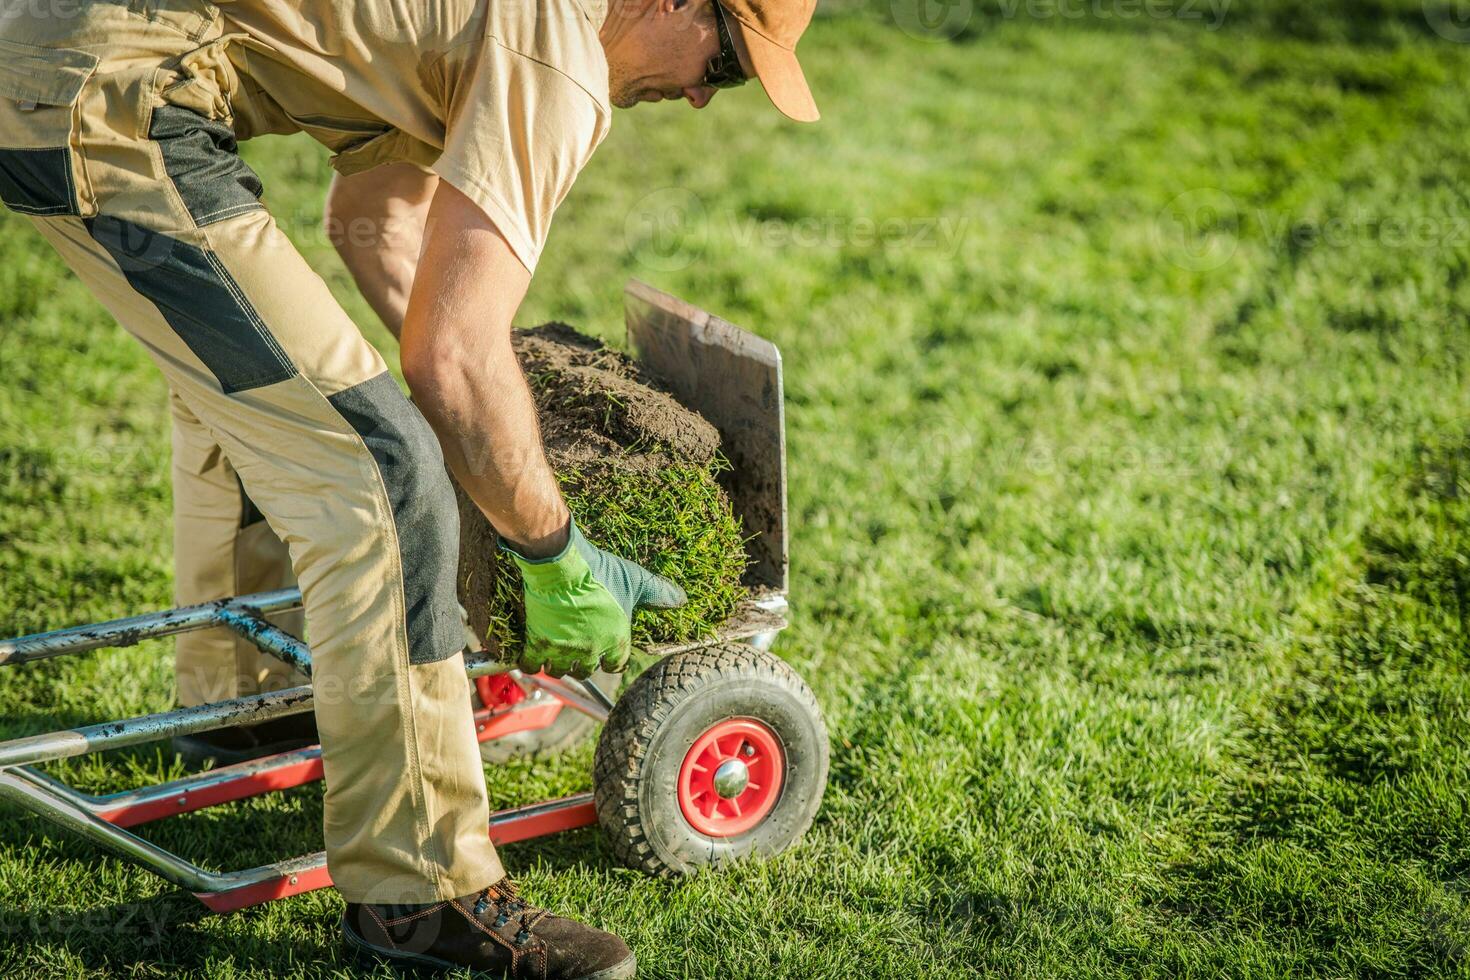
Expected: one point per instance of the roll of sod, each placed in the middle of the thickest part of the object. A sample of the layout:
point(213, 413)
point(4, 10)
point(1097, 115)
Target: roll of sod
point(640, 473)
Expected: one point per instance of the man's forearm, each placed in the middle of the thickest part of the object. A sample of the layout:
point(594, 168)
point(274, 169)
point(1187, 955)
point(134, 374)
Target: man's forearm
point(457, 356)
point(486, 421)
point(455, 341)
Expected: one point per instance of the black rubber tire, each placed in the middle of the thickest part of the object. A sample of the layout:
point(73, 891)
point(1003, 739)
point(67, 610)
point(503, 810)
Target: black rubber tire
point(570, 729)
point(657, 721)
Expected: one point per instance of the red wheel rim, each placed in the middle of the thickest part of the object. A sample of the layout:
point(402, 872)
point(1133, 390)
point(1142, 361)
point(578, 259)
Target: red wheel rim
point(733, 744)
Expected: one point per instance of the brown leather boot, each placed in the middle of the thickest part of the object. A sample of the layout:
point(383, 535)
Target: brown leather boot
point(492, 931)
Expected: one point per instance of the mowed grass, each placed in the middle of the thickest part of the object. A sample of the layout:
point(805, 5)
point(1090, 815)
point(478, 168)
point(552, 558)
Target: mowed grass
point(1129, 434)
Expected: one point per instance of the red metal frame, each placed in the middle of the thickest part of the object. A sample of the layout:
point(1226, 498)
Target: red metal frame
point(291, 772)
point(498, 690)
point(506, 715)
point(506, 827)
point(267, 891)
point(522, 716)
point(715, 366)
point(506, 709)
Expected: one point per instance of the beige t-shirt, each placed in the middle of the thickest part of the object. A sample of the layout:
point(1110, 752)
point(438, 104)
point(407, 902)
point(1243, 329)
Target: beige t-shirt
point(505, 99)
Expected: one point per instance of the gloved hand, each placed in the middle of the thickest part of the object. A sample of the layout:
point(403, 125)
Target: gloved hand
point(579, 607)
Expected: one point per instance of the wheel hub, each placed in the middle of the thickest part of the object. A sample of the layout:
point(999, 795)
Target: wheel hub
point(731, 777)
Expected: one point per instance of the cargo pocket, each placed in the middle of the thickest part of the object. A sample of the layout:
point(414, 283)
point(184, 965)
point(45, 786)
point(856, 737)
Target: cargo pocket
point(206, 79)
point(191, 124)
point(42, 171)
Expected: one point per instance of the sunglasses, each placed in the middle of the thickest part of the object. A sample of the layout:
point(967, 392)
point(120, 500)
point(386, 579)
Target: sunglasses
point(724, 68)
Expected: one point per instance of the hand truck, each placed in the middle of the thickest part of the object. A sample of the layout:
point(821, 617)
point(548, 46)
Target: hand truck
point(716, 752)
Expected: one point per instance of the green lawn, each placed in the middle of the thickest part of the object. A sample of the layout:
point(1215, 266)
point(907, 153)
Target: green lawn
point(1129, 433)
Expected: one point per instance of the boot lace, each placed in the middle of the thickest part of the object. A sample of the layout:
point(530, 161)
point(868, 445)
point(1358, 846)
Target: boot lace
point(505, 898)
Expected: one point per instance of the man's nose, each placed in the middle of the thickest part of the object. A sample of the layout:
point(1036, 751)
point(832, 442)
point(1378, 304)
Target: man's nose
point(700, 95)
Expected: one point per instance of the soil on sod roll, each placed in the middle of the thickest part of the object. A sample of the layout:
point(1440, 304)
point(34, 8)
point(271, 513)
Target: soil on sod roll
point(639, 472)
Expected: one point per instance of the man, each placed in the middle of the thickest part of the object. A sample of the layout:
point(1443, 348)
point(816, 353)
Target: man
point(458, 128)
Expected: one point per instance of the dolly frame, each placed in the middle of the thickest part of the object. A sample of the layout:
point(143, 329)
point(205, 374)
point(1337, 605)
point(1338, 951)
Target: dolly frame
point(732, 377)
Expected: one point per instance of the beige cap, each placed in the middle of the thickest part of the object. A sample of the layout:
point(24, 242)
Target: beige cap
point(770, 29)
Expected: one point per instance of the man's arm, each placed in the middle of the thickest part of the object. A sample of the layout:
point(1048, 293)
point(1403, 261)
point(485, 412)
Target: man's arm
point(376, 221)
point(451, 306)
point(457, 358)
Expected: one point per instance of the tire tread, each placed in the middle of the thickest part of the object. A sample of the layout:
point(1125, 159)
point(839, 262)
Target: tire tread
point(643, 708)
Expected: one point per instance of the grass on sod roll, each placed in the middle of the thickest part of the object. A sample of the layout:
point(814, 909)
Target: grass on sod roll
point(641, 475)
point(675, 522)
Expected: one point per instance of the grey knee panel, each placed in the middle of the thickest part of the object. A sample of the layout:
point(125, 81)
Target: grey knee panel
point(424, 510)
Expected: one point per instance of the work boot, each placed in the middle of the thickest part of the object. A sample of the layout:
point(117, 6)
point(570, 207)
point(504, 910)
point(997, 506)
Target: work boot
point(227, 746)
point(492, 931)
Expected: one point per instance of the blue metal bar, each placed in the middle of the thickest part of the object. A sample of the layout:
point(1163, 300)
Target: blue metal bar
point(134, 629)
point(252, 626)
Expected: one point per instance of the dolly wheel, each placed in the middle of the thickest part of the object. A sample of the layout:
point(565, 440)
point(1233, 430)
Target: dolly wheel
point(711, 755)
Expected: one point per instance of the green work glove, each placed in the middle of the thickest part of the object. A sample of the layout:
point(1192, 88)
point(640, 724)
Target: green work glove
point(579, 607)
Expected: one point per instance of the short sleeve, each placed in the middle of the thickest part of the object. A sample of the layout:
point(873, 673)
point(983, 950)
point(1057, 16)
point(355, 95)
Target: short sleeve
point(517, 133)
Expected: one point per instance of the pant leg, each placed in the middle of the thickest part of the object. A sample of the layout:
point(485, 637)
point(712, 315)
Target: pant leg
point(223, 546)
point(147, 202)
